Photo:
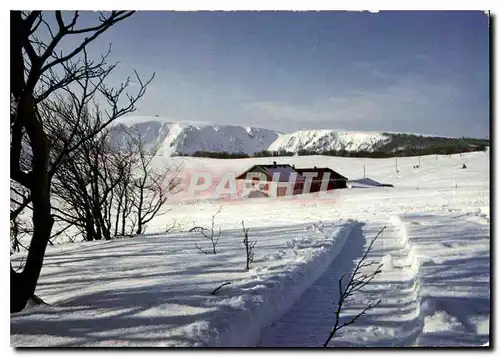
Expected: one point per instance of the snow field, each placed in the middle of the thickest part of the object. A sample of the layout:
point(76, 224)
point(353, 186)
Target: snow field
point(277, 293)
point(154, 290)
point(434, 285)
point(308, 322)
point(455, 278)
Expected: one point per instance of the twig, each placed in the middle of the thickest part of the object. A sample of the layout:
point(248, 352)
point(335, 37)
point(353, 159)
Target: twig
point(220, 286)
point(175, 225)
point(201, 250)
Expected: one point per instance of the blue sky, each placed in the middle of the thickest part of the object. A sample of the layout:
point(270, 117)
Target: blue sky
point(409, 71)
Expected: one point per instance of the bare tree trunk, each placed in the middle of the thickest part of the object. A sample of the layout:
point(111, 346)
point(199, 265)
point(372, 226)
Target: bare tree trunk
point(89, 228)
point(118, 213)
point(23, 284)
point(124, 216)
point(139, 209)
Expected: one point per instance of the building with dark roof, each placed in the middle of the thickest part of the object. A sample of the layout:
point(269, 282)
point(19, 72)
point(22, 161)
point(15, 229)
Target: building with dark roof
point(284, 179)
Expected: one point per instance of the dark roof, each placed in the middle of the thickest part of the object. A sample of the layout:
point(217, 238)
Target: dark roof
point(283, 169)
point(321, 171)
point(272, 165)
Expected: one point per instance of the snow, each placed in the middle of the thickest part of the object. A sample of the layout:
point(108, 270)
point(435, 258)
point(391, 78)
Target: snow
point(425, 302)
point(190, 136)
point(318, 140)
point(154, 290)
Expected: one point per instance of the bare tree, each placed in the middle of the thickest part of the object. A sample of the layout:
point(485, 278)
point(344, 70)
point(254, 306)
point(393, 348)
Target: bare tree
point(87, 185)
point(122, 202)
point(152, 186)
point(209, 233)
point(248, 246)
point(39, 71)
point(357, 281)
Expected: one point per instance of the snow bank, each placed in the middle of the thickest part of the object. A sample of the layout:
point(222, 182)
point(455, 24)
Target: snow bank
point(265, 299)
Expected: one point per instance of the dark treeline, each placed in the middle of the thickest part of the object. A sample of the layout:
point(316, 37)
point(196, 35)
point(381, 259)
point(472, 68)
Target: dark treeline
point(441, 144)
point(447, 149)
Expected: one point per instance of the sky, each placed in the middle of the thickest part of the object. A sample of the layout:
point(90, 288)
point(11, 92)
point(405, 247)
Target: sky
point(413, 71)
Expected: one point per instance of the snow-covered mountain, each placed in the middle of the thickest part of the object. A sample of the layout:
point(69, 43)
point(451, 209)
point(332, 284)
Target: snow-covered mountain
point(324, 140)
point(189, 137)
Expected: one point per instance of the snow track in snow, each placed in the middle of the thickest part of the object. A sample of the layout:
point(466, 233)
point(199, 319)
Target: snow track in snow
point(308, 322)
point(434, 286)
point(454, 272)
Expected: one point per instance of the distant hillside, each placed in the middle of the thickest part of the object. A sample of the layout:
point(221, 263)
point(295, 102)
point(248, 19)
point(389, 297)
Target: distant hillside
point(327, 140)
point(206, 139)
point(412, 144)
point(188, 138)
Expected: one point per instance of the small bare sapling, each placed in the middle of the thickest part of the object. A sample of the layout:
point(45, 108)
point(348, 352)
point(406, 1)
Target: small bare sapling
point(249, 245)
point(211, 234)
point(358, 280)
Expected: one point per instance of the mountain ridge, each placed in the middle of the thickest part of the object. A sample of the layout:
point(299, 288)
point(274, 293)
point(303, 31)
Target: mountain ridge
point(186, 138)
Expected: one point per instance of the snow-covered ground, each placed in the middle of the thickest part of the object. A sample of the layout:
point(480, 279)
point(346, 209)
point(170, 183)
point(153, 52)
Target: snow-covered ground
point(155, 290)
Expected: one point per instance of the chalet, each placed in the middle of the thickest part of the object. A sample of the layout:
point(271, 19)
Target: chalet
point(323, 178)
point(277, 180)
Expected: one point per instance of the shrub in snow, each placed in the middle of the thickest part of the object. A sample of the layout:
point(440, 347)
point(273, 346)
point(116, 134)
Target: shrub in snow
point(209, 233)
point(248, 245)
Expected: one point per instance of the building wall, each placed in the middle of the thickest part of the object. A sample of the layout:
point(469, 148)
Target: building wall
point(318, 185)
point(282, 191)
point(341, 184)
point(279, 189)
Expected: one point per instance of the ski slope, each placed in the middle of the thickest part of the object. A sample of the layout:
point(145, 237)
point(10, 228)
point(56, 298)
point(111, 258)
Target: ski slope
point(155, 289)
